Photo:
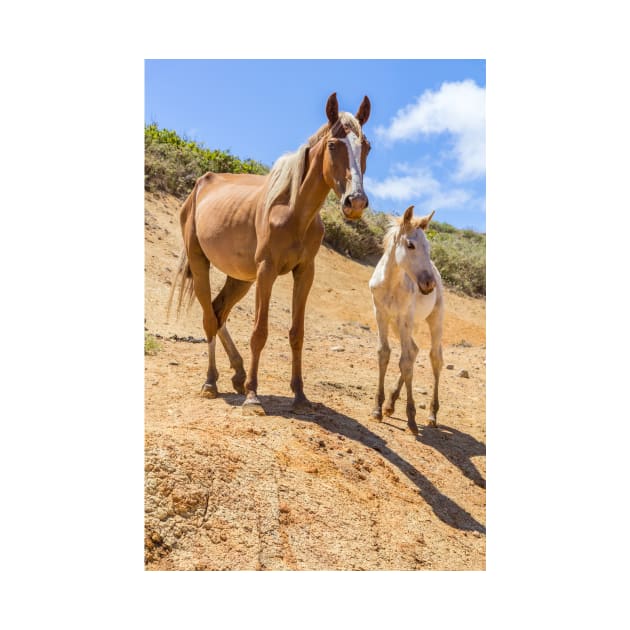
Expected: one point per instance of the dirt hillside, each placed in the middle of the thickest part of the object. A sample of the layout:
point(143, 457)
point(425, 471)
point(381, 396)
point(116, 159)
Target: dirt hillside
point(329, 490)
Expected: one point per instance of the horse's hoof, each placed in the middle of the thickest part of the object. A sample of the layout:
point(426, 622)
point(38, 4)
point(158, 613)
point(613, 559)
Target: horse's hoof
point(239, 388)
point(432, 421)
point(388, 411)
point(413, 427)
point(238, 383)
point(209, 391)
point(252, 407)
point(376, 414)
point(302, 406)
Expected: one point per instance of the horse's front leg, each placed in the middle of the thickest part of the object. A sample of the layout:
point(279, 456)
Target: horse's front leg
point(302, 281)
point(383, 351)
point(265, 278)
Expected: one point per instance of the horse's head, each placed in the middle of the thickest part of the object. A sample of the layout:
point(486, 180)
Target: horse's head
point(412, 250)
point(345, 156)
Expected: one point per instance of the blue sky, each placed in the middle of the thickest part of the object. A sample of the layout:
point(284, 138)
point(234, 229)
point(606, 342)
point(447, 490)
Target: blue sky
point(427, 126)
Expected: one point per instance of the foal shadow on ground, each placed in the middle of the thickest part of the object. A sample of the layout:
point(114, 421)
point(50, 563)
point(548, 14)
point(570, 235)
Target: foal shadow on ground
point(444, 508)
point(457, 447)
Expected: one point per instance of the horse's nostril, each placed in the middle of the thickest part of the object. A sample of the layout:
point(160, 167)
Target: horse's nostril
point(359, 201)
point(347, 202)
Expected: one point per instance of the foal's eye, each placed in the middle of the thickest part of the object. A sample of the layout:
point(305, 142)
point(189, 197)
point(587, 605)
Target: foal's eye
point(410, 245)
point(331, 145)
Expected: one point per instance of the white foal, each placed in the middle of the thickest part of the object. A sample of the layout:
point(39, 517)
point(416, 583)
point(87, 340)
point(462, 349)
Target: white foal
point(407, 287)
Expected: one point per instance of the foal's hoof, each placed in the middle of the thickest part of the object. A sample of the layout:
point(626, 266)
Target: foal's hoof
point(377, 415)
point(252, 407)
point(413, 427)
point(388, 411)
point(209, 391)
point(432, 421)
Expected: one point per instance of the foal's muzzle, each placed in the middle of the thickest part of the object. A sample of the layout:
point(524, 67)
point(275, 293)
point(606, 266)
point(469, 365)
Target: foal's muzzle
point(354, 205)
point(426, 282)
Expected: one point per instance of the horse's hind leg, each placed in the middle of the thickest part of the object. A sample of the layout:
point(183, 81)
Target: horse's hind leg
point(236, 360)
point(435, 320)
point(200, 268)
point(232, 292)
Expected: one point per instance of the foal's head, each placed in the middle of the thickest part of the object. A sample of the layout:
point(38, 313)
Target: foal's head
point(412, 251)
point(345, 156)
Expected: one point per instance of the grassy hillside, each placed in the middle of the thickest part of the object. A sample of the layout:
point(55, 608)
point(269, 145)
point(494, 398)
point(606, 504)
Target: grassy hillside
point(172, 164)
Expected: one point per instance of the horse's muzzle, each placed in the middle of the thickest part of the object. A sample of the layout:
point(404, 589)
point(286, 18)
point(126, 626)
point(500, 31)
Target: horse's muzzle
point(426, 283)
point(354, 205)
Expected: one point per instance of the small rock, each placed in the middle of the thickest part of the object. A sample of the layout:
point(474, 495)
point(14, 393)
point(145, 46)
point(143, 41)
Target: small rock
point(337, 349)
point(463, 374)
point(422, 406)
point(450, 366)
point(173, 363)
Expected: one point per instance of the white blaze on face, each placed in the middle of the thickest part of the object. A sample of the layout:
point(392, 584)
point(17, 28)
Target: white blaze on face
point(353, 145)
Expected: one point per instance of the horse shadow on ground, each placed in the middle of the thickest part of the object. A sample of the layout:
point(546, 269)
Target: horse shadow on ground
point(444, 508)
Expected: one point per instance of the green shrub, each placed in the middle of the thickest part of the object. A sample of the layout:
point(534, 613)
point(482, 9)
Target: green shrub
point(362, 239)
point(460, 257)
point(151, 345)
point(173, 164)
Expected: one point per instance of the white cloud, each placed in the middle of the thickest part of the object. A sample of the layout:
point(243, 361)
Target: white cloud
point(457, 109)
point(406, 183)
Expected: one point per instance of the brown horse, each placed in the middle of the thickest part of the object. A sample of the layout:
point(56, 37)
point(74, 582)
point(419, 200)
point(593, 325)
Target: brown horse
point(257, 227)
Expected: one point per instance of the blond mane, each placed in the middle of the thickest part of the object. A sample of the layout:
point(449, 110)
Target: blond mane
point(287, 173)
point(396, 229)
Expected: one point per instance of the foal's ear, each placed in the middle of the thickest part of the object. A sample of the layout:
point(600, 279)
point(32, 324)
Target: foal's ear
point(364, 111)
point(332, 108)
point(424, 221)
point(408, 215)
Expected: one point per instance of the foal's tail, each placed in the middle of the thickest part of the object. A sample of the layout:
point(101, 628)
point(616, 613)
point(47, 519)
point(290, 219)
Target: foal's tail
point(183, 276)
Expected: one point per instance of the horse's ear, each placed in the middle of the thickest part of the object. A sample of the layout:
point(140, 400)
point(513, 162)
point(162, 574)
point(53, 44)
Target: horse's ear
point(332, 108)
point(424, 221)
point(364, 111)
point(408, 215)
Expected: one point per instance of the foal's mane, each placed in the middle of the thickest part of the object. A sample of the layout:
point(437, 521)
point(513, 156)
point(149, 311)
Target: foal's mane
point(287, 173)
point(397, 227)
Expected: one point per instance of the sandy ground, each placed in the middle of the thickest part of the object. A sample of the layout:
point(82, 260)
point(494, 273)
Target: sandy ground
point(333, 489)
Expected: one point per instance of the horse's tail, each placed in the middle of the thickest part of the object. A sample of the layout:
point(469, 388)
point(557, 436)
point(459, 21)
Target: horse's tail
point(183, 275)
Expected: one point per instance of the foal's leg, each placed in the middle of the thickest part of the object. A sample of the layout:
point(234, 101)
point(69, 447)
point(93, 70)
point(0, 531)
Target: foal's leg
point(409, 352)
point(435, 320)
point(393, 395)
point(383, 351)
point(200, 268)
point(302, 281)
point(233, 290)
point(265, 278)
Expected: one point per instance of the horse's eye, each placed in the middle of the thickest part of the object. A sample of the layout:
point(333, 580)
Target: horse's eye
point(331, 145)
point(410, 245)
